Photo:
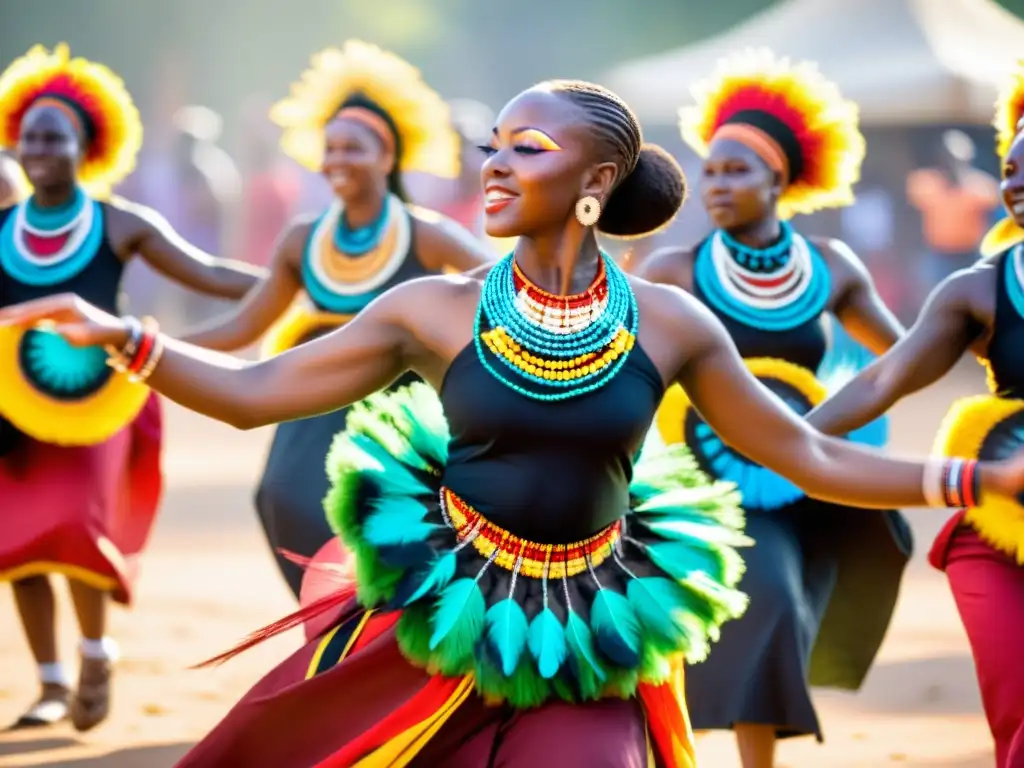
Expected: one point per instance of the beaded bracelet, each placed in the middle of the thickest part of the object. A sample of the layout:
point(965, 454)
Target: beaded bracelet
point(951, 483)
point(141, 353)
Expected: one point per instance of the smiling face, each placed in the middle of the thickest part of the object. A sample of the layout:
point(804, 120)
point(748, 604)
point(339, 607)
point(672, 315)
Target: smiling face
point(356, 162)
point(542, 158)
point(1012, 186)
point(737, 187)
point(49, 147)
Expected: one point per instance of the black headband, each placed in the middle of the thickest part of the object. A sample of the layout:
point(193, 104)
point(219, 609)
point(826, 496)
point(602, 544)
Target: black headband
point(776, 130)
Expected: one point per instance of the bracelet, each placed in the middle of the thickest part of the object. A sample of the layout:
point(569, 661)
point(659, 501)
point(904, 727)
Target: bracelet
point(141, 353)
point(951, 483)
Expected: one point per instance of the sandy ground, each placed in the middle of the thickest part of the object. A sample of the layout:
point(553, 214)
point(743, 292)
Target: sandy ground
point(208, 580)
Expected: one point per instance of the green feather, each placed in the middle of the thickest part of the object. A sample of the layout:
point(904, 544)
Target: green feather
point(713, 499)
point(547, 643)
point(696, 531)
point(506, 633)
point(458, 622)
point(441, 572)
point(661, 607)
point(359, 453)
point(616, 628)
point(680, 561)
point(396, 522)
point(430, 434)
point(583, 657)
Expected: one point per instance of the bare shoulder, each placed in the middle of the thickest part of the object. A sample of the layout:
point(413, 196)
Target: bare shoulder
point(428, 295)
point(438, 234)
point(671, 264)
point(671, 310)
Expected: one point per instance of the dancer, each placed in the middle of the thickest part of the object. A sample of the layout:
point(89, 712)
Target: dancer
point(981, 549)
point(778, 139)
point(79, 471)
point(546, 576)
point(389, 122)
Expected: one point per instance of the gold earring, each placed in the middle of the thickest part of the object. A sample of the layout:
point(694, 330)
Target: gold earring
point(588, 210)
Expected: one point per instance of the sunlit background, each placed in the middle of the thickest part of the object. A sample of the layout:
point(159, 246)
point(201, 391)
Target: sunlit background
point(203, 74)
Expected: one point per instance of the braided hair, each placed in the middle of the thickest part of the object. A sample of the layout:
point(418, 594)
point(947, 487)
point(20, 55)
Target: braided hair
point(650, 188)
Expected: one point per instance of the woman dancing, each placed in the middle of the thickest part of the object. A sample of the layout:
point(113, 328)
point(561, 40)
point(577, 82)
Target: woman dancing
point(507, 551)
point(778, 139)
point(388, 122)
point(981, 549)
point(79, 470)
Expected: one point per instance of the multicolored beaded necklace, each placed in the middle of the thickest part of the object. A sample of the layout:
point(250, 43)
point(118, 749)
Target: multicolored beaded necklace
point(344, 269)
point(47, 246)
point(775, 288)
point(555, 347)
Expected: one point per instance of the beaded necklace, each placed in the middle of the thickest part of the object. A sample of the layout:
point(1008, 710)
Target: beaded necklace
point(555, 347)
point(344, 269)
point(43, 247)
point(775, 289)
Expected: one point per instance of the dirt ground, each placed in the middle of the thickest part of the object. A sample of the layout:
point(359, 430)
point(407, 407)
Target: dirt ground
point(208, 580)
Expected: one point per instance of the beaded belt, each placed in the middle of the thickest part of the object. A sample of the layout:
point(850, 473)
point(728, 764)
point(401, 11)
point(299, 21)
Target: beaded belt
point(506, 550)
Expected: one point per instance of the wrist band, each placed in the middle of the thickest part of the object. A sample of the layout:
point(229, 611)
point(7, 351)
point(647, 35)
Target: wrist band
point(951, 483)
point(141, 353)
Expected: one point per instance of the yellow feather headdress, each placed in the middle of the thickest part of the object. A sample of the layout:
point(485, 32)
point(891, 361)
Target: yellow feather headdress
point(820, 126)
point(1009, 110)
point(114, 126)
point(428, 139)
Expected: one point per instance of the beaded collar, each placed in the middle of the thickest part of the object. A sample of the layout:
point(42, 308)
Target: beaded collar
point(550, 347)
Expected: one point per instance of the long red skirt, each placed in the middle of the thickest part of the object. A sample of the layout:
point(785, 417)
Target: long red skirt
point(85, 512)
point(348, 697)
point(989, 590)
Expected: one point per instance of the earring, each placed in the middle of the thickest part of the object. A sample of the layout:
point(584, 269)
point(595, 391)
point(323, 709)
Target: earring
point(588, 210)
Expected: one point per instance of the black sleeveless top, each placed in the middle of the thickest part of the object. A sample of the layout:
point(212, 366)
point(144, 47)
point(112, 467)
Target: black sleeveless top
point(99, 283)
point(1007, 343)
point(805, 345)
point(550, 472)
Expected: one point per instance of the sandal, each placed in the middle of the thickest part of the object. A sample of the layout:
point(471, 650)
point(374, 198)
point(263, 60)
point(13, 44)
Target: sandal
point(50, 709)
point(91, 702)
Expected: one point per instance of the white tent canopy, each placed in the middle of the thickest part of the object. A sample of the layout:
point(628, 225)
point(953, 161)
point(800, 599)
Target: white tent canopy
point(903, 61)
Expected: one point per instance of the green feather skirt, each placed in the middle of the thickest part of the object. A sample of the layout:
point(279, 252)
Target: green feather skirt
point(655, 587)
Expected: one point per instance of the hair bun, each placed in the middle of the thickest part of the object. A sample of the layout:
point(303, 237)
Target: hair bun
point(647, 199)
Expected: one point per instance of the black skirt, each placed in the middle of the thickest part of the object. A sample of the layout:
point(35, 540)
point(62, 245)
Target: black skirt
point(823, 581)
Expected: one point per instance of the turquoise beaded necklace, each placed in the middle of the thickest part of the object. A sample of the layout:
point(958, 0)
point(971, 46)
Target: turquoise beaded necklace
point(498, 309)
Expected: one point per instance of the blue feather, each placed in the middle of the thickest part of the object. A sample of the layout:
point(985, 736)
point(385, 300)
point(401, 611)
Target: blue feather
point(506, 633)
point(429, 580)
point(547, 643)
point(616, 628)
point(459, 617)
point(397, 521)
point(583, 659)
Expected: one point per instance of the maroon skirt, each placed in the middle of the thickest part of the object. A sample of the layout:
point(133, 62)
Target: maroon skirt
point(988, 587)
point(85, 512)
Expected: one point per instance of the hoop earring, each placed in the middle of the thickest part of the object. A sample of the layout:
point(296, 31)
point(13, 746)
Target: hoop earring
point(588, 210)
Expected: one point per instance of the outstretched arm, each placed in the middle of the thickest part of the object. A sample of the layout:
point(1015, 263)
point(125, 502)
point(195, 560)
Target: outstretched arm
point(751, 419)
point(944, 330)
point(147, 234)
point(859, 307)
point(326, 374)
point(264, 304)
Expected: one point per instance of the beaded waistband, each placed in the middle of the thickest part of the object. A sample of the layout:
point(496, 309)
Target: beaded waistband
point(507, 550)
